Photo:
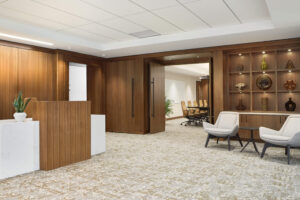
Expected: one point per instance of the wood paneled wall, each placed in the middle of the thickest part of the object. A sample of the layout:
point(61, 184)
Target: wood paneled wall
point(218, 88)
point(65, 132)
point(32, 72)
point(8, 80)
point(96, 88)
point(44, 74)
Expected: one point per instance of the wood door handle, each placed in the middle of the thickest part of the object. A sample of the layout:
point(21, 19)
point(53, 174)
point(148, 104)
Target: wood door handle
point(132, 97)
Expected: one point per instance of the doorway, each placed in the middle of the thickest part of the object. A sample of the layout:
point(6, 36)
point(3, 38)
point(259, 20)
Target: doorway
point(77, 82)
point(181, 78)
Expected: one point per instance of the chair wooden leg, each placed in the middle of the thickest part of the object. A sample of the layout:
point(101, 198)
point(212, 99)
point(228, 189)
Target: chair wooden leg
point(207, 140)
point(264, 150)
point(288, 153)
point(238, 137)
point(228, 143)
point(218, 140)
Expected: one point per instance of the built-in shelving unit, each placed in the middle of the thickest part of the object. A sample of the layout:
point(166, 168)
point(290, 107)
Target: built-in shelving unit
point(252, 96)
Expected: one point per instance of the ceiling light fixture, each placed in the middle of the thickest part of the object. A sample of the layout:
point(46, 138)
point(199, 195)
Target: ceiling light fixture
point(25, 39)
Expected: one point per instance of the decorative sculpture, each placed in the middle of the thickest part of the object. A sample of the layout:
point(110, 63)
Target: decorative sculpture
point(290, 105)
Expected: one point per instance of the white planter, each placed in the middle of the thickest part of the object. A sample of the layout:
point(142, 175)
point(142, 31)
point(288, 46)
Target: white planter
point(20, 117)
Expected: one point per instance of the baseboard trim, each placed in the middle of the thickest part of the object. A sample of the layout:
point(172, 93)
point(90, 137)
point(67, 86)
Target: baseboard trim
point(171, 118)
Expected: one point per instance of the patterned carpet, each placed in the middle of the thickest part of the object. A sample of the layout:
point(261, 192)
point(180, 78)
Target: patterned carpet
point(169, 165)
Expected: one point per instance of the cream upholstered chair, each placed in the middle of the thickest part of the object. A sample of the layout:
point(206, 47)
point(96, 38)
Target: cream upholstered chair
point(226, 126)
point(287, 137)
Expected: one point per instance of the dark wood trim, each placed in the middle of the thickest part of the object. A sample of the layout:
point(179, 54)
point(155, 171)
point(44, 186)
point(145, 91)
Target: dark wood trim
point(186, 61)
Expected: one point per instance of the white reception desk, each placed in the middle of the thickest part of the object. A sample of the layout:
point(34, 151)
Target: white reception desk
point(97, 134)
point(20, 150)
point(19, 147)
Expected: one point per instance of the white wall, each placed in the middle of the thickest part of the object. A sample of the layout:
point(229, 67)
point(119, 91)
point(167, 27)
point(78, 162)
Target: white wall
point(179, 87)
point(77, 82)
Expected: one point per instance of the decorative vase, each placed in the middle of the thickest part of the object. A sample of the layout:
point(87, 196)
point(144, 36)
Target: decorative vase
point(290, 105)
point(290, 65)
point(240, 106)
point(20, 116)
point(240, 67)
point(264, 103)
point(264, 65)
point(290, 85)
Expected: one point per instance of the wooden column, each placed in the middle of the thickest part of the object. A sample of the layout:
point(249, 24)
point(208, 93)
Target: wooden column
point(218, 82)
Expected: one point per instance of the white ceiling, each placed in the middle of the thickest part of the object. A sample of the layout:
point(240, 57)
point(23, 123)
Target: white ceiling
point(195, 70)
point(104, 27)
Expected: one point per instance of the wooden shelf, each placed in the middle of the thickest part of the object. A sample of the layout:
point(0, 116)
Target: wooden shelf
point(277, 95)
point(263, 91)
point(288, 91)
point(287, 70)
point(262, 71)
point(238, 73)
point(239, 92)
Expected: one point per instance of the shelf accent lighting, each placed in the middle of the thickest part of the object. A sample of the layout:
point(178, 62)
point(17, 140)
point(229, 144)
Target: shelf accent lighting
point(263, 52)
point(290, 70)
point(240, 54)
point(289, 50)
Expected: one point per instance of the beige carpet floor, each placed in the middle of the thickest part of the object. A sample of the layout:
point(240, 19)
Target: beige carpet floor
point(169, 165)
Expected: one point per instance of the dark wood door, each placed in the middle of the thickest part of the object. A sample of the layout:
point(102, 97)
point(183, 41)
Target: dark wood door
point(125, 96)
point(157, 98)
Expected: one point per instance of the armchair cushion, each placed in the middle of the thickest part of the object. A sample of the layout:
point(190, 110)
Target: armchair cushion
point(207, 125)
point(219, 132)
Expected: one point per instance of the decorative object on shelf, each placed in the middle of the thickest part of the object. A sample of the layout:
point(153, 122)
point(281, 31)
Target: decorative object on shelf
point(240, 68)
point(290, 85)
point(20, 106)
point(264, 103)
point(264, 64)
point(290, 65)
point(290, 105)
point(240, 86)
point(240, 106)
point(263, 82)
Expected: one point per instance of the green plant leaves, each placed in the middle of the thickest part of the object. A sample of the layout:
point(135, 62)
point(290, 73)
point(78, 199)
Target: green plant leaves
point(19, 103)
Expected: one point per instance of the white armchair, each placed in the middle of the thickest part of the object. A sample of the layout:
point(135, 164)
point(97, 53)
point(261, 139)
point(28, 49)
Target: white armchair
point(288, 136)
point(226, 126)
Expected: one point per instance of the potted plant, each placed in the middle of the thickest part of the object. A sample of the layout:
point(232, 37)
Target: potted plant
point(20, 107)
point(168, 107)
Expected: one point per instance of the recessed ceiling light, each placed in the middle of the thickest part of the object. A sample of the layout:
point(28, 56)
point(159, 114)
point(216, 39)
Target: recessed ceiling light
point(289, 50)
point(263, 52)
point(25, 39)
point(240, 54)
point(144, 34)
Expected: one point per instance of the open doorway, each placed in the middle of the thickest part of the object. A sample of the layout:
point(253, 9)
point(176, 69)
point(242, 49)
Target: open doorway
point(187, 91)
point(77, 82)
point(185, 83)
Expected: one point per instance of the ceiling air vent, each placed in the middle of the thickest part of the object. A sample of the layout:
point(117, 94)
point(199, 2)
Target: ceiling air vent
point(144, 34)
